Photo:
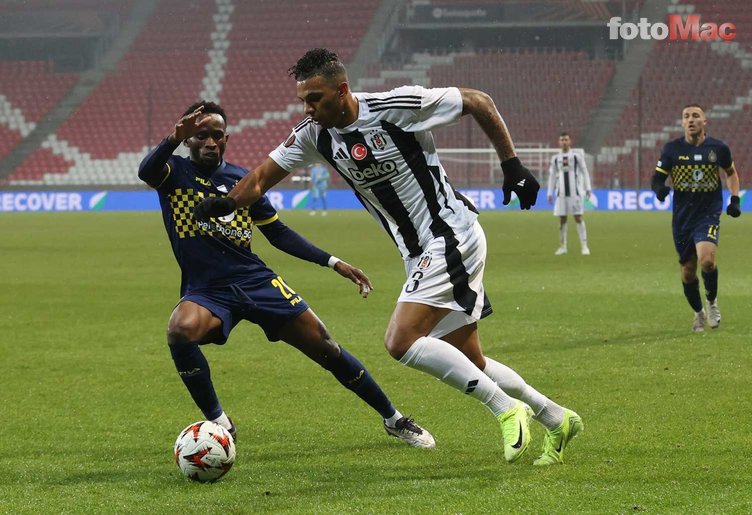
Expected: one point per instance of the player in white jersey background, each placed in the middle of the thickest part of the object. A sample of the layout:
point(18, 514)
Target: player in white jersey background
point(569, 179)
point(382, 146)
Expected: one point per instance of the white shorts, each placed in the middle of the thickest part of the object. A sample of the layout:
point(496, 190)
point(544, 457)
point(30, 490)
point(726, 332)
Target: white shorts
point(568, 206)
point(449, 274)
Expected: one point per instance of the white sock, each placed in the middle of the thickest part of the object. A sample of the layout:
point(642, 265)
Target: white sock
point(223, 421)
point(392, 421)
point(546, 411)
point(447, 364)
point(582, 232)
point(563, 234)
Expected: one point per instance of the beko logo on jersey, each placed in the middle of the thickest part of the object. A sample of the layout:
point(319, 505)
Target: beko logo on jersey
point(373, 173)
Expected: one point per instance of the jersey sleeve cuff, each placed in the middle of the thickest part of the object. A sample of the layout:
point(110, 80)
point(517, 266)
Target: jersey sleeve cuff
point(259, 223)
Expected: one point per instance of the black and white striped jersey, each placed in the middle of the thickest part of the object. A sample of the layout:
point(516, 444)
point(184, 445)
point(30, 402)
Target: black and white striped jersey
point(389, 159)
point(568, 174)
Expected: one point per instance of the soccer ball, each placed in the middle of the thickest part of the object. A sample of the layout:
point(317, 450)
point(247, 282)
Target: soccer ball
point(204, 451)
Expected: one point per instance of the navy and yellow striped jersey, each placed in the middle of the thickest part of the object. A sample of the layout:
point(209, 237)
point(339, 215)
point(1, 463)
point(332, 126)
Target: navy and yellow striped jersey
point(209, 253)
point(695, 172)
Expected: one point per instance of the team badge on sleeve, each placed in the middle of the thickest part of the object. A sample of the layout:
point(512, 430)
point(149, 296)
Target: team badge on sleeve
point(290, 140)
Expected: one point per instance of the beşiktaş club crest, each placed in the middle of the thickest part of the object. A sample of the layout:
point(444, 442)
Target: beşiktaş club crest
point(378, 141)
point(712, 157)
point(425, 261)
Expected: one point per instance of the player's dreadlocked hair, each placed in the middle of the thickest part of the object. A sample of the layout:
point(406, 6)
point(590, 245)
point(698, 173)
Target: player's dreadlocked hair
point(209, 107)
point(318, 61)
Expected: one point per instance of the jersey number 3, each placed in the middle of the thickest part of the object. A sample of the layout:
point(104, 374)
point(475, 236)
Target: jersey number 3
point(415, 284)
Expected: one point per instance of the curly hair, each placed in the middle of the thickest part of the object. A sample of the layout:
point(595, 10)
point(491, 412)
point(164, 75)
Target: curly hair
point(209, 107)
point(318, 61)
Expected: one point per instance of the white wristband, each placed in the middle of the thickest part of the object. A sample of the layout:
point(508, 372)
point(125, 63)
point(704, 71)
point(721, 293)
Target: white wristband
point(333, 261)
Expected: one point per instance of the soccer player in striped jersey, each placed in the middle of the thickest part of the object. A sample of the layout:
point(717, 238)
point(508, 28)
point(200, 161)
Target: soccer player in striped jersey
point(693, 162)
point(381, 145)
point(568, 177)
point(225, 282)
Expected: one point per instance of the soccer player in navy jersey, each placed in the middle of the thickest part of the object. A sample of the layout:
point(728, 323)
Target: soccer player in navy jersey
point(693, 161)
point(224, 282)
point(382, 146)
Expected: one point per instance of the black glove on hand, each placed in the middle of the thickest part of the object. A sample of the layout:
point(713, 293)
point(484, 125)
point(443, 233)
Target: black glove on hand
point(662, 192)
point(658, 185)
point(733, 209)
point(518, 179)
point(213, 207)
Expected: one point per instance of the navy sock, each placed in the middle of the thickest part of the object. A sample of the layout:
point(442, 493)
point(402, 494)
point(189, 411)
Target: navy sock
point(710, 280)
point(354, 376)
point(194, 371)
point(692, 292)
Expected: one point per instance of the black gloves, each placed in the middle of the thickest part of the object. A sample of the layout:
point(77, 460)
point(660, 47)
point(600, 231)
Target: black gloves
point(733, 209)
point(658, 185)
point(213, 207)
point(518, 179)
point(662, 192)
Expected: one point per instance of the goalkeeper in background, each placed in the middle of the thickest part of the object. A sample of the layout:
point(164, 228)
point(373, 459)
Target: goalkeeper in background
point(693, 162)
point(319, 185)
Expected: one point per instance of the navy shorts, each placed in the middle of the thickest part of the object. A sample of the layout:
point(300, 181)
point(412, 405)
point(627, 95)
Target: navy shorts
point(264, 299)
point(688, 235)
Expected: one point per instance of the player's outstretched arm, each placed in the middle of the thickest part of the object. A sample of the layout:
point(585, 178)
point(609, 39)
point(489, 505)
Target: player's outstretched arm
point(245, 193)
point(290, 242)
point(732, 183)
point(517, 178)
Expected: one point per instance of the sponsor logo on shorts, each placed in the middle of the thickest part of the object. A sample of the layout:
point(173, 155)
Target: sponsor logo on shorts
point(425, 262)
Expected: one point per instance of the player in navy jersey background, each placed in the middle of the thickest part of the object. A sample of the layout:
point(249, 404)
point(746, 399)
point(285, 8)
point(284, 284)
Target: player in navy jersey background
point(382, 146)
point(693, 163)
point(224, 282)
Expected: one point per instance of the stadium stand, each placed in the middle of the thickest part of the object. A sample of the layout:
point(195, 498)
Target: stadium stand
point(247, 68)
point(238, 53)
point(538, 92)
point(28, 90)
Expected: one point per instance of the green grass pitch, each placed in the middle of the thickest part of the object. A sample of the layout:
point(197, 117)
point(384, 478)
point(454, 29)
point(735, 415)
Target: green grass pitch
point(92, 404)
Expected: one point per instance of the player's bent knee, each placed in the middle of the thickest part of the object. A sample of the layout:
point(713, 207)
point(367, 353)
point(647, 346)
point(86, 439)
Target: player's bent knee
point(707, 263)
point(182, 331)
point(397, 346)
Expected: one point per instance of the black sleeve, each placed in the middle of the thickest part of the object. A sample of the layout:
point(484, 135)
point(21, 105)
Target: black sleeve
point(153, 170)
point(290, 242)
point(658, 181)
